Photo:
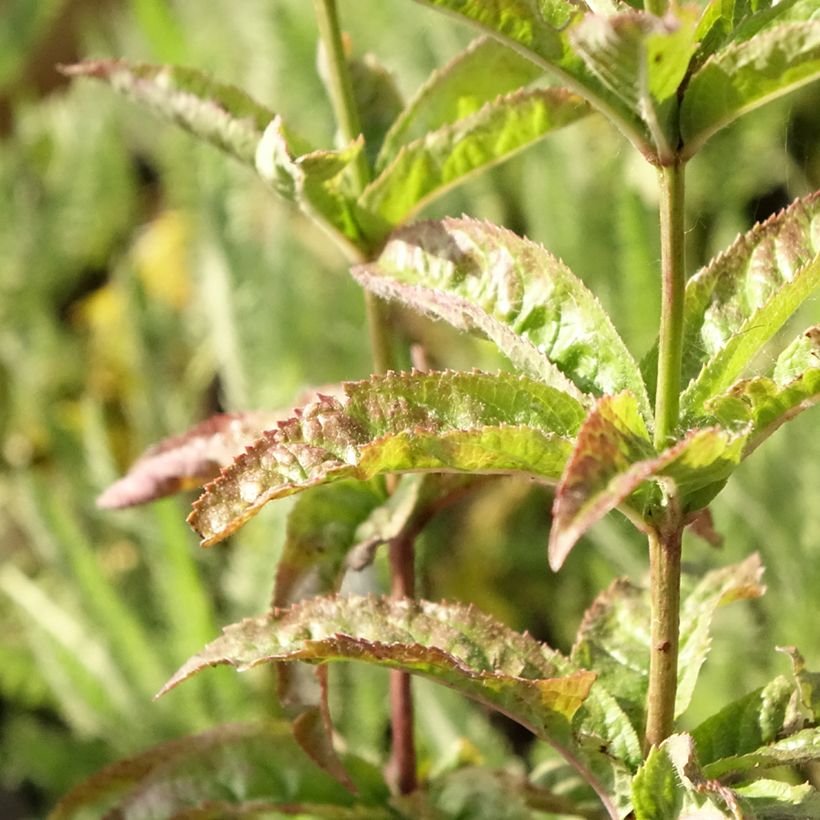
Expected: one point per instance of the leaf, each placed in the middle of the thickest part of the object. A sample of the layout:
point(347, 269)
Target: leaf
point(656, 790)
point(767, 403)
point(613, 457)
point(538, 30)
point(441, 422)
point(777, 800)
point(737, 303)
point(745, 75)
point(220, 114)
point(484, 278)
point(187, 460)
point(452, 644)
point(486, 69)
point(240, 761)
point(642, 60)
point(428, 166)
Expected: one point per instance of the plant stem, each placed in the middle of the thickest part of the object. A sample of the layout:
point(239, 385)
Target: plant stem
point(402, 765)
point(670, 345)
point(664, 579)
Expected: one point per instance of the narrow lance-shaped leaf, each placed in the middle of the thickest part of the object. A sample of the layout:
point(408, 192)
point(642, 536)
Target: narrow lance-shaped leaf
point(740, 300)
point(428, 166)
point(766, 403)
point(745, 75)
point(480, 277)
point(188, 460)
point(486, 69)
point(613, 457)
point(453, 644)
point(217, 113)
point(438, 422)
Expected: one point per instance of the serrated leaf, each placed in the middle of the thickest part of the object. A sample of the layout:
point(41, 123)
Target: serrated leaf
point(745, 75)
point(642, 60)
point(801, 747)
point(440, 422)
point(656, 790)
point(484, 278)
point(217, 113)
point(240, 762)
point(450, 643)
point(776, 800)
point(767, 403)
point(486, 69)
point(737, 303)
point(188, 460)
point(539, 31)
point(428, 166)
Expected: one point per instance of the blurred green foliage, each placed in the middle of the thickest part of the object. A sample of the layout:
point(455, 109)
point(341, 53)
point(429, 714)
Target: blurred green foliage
point(146, 282)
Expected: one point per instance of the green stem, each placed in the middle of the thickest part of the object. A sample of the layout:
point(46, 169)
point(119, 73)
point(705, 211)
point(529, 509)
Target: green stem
point(667, 397)
point(664, 579)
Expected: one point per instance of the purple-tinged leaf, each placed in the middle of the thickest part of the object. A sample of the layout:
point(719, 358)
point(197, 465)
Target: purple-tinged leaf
point(767, 403)
point(410, 422)
point(234, 763)
point(480, 277)
point(613, 457)
point(188, 460)
point(427, 167)
point(743, 297)
point(486, 69)
point(453, 644)
point(220, 114)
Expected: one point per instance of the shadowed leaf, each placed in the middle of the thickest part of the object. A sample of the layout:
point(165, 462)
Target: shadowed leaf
point(187, 460)
point(440, 422)
point(486, 69)
point(427, 167)
point(453, 644)
point(234, 763)
point(739, 301)
point(477, 276)
point(217, 113)
point(776, 800)
point(745, 75)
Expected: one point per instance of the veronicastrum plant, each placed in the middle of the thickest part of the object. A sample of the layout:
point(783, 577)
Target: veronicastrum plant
point(377, 459)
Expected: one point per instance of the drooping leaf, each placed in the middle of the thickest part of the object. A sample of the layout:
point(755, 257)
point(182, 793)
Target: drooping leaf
point(481, 277)
point(187, 460)
point(411, 422)
point(767, 403)
point(486, 69)
point(745, 75)
point(613, 459)
point(642, 60)
point(314, 180)
point(737, 303)
point(453, 644)
point(217, 113)
point(427, 167)
point(236, 763)
point(539, 31)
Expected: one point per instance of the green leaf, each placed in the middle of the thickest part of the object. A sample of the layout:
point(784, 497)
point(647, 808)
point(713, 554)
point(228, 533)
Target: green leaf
point(776, 800)
point(220, 114)
point(745, 75)
point(486, 69)
point(452, 644)
point(313, 180)
point(428, 166)
point(656, 790)
point(187, 460)
point(642, 60)
point(440, 422)
point(235, 763)
point(484, 278)
point(801, 747)
point(539, 31)
point(738, 302)
point(767, 403)
point(613, 457)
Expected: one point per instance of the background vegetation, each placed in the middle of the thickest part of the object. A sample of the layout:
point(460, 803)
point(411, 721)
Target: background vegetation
point(146, 282)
